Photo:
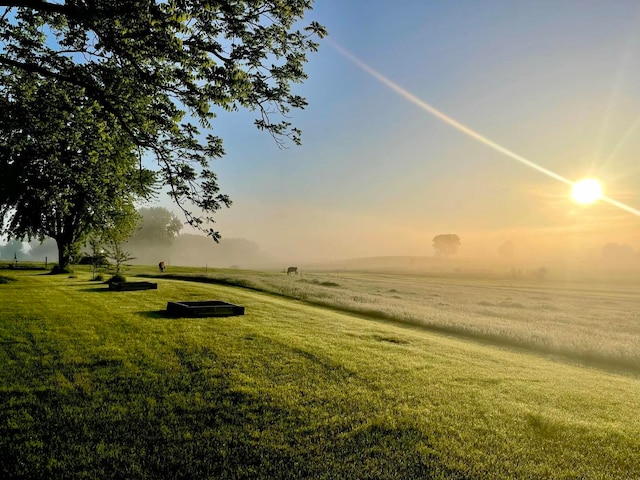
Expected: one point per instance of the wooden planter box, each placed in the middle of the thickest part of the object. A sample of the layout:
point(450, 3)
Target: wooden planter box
point(210, 308)
point(122, 286)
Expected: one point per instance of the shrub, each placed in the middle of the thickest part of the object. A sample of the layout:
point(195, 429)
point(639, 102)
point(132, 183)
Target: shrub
point(97, 260)
point(117, 278)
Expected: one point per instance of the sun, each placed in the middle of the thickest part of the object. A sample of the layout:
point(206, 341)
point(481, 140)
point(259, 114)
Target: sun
point(586, 191)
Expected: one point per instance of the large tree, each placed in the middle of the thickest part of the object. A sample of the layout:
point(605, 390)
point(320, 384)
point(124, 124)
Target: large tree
point(162, 68)
point(157, 226)
point(68, 168)
point(154, 236)
point(446, 244)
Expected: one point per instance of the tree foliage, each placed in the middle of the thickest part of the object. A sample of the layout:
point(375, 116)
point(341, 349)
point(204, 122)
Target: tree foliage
point(446, 244)
point(162, 68)
point(114, 237)
point(97, 257)
point(68, 168)
point(157, 226)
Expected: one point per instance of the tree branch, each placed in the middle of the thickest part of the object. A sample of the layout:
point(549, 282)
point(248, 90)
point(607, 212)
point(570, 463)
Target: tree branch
point(41, 6)
point(93, 92)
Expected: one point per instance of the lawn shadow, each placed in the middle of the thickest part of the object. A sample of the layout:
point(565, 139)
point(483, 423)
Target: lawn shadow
point(228, 432)
point(156, 314)
point(97, 289)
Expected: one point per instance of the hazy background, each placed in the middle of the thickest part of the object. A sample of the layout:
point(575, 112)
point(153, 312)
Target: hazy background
point(555, 82)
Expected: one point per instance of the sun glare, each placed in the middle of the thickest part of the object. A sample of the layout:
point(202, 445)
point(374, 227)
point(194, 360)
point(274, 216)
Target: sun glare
point(586, 191)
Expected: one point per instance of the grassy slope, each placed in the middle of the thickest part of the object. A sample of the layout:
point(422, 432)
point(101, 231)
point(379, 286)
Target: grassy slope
point(597, 324)
point(100, 384)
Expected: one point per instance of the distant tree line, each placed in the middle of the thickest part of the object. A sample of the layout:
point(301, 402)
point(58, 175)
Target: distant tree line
point(154, 236)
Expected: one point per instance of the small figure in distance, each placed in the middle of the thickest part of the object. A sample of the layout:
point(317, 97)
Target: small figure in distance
point(162, 266)
point(292, 270)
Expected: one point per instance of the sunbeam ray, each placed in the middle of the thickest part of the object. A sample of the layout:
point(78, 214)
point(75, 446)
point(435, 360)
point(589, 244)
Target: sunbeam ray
point(622, 141)
point(631, 47)
point(467, 130)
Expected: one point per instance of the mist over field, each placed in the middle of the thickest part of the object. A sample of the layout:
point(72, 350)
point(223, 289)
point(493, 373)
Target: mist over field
point(565, 252)
point(492, 258)
point(200, 251)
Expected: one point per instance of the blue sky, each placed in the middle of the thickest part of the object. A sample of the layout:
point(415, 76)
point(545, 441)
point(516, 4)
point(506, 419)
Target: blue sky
point(554, 81)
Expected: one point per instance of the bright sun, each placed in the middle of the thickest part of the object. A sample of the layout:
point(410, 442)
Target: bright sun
point(586, 191)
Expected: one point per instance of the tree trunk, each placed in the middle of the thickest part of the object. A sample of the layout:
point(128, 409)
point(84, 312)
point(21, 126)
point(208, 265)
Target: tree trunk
point(64, 255)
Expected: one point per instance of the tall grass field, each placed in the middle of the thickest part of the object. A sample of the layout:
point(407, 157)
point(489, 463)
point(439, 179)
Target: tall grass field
point(327, 375)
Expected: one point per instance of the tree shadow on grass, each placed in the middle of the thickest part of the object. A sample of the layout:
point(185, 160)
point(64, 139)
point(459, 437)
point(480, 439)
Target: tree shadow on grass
point(156, 314)
point(194, 421)
point(100, 289)
point(163, 314)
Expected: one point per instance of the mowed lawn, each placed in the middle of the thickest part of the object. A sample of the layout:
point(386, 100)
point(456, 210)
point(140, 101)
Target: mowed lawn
point(101, 384)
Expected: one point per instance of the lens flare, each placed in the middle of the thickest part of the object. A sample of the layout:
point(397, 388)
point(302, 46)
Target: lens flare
point(586, 191)
point(466, 130)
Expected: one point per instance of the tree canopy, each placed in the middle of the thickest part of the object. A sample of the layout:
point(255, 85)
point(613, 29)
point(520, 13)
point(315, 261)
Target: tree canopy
point(162, 68)
point(157, 226)
point(446, 244)
point(68, 168)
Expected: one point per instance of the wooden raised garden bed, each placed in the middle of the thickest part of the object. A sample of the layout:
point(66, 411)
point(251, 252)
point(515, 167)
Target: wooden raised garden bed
point(210, 308)
point(122, 286)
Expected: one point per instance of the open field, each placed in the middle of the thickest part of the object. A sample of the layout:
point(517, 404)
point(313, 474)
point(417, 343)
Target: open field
point(591, 322)
point(101, 384)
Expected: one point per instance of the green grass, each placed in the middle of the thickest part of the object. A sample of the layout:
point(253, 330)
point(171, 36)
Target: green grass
point(101, 384)
point(593, 323)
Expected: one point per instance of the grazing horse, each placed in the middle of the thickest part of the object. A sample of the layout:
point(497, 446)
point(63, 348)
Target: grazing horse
point(162, 266)
point(293, 270)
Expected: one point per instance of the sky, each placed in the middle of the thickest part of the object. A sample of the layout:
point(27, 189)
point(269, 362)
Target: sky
point(554, 82)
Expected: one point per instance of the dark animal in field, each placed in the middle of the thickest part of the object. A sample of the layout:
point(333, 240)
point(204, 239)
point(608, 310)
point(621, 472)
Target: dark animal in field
point(162, 266)
point(292, 270)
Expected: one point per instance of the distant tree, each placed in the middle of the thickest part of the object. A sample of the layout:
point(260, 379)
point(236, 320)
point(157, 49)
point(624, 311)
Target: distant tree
point(162, 68)
point(446, 244)
point(68, 168)
point(157, 226)
point(507, 249)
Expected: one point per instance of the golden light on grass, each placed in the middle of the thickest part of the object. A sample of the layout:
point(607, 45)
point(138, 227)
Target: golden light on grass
point(586, 191)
